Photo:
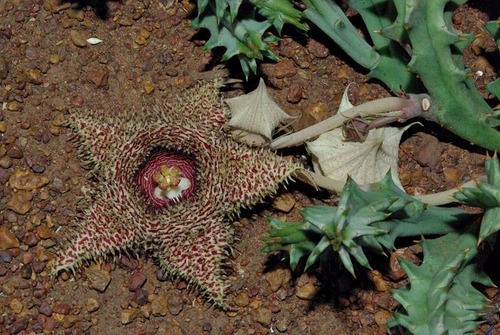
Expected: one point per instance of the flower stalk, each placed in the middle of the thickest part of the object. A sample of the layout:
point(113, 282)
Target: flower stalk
point(395, 108)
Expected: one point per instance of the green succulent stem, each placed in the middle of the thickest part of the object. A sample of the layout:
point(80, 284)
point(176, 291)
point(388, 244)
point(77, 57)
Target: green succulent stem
point(392, 69)
point(328, 16)
point(458, 105)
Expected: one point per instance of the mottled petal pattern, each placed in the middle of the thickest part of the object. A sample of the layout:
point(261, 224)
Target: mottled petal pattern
point(189, 235)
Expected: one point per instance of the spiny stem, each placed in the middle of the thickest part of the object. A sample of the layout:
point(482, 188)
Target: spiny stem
point(401, 108)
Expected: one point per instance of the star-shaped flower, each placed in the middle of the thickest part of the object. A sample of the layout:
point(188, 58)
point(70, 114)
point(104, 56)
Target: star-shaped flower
point(167, 181)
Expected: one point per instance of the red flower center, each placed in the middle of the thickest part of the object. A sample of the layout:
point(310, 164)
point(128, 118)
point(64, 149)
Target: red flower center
point(166, 178)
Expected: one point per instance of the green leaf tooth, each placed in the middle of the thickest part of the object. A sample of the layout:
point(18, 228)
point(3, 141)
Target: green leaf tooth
point(494, 29)
point(360, 257)
point(490, 223)
point(491, 195)
point(220, 8)
point(409, 268)
point(464, 40)
point(234, 6)
point(279, 12)
point(201, 5)
point(346, 260)
point(297, 251)
point(318, 250)
point(372, 243)
point(494, 87)
point(492, 167)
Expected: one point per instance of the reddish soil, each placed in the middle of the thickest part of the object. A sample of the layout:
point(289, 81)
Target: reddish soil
point(148, 54)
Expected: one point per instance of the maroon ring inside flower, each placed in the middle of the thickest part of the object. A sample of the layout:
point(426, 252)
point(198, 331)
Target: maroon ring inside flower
point(166, 178)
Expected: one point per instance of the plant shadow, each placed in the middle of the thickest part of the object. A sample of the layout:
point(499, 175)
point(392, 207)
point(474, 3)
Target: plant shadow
point(100, 7)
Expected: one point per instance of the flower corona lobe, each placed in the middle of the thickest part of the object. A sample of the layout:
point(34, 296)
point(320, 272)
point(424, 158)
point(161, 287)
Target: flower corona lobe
point(166, 178)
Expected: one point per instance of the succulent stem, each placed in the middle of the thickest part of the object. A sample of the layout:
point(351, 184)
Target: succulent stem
point(328, 16)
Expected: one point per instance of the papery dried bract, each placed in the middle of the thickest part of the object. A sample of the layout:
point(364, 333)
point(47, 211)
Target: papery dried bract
point(255, 115)
point(365, 162)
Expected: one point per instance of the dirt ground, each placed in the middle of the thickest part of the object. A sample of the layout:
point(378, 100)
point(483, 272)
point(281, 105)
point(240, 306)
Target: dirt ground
point(148, 53)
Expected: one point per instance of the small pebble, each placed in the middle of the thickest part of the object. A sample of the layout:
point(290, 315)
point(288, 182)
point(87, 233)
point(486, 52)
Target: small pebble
point(159, 305)
point(45, 309)
point(278, 278)
point(4, 67)
point(282, 322)
point(8, 239)
point(18, 326)
point(140, 40)
point(242, 299)
point(91, 305)
point(149, 87)
point(264, 316)
point(175, 304)
point(26, 271)
point(62, 308)
point(77, 39)
point(99, 279)
point(20, 202)
point(15, 152)
point(317, 49)
point(77, 14)
point(3, 270)
point(381, 318)
point(14, 106)
point(206, 326)
point(284, 202)
point(136, 281)
point(5, 162)
point(99, 76)
point(306, 292)
point(38, 266)
point(5, 256)
point(38, 168)
point(294, 94)
point(16, 306)
point(140, 297)
point(54, 59)
point(27, 180)
point(429, 151)
point(30, 239)
point(318, 111)
point(161, 275)
point(34, 76)
point(11, 217)
point(129, 315)
point(44, 232)
point(451, 176)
